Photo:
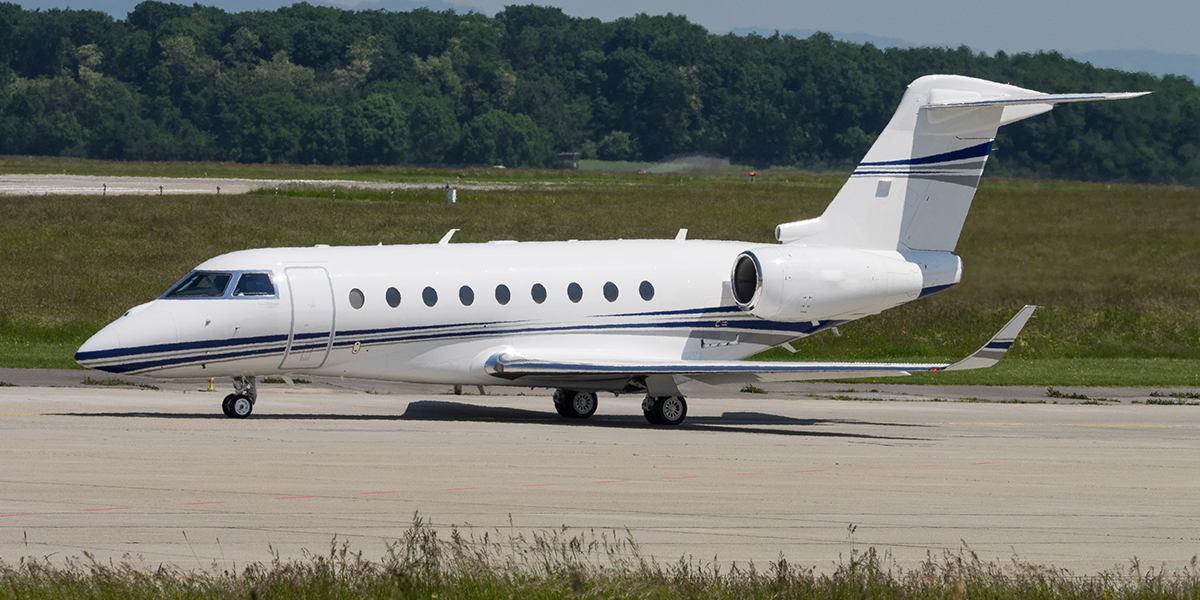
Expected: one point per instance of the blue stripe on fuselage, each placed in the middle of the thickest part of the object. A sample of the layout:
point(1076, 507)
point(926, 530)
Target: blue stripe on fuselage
point(412, 334)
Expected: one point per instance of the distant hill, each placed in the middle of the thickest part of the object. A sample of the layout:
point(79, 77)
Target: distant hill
point(1135, 61)
point(1142, 61)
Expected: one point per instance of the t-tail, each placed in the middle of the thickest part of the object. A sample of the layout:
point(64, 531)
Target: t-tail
point(913, 189)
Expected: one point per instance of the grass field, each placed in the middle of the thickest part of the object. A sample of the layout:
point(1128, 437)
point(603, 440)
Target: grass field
point(563, 564)
point(1116, 268)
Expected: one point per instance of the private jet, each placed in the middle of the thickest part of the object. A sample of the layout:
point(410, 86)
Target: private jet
point(617, 316)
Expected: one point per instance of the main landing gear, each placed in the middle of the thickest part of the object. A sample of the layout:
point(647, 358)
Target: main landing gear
point(575, 405)
point(240, 403)
point(665, 410)
point(659, 410)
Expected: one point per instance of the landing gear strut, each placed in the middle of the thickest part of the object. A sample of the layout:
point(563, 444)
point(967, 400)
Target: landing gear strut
point(664, 410)
point(574, 404)
point(240, 403)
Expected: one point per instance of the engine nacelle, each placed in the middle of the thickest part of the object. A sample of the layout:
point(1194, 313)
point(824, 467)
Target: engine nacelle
point(798, 283)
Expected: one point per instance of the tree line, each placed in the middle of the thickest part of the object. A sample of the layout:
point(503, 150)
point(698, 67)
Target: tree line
point(310, 84)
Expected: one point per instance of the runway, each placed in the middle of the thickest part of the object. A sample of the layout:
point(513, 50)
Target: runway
point(126, 471)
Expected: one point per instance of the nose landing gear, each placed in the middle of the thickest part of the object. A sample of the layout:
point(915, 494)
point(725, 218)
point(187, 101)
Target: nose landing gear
point(240, 403)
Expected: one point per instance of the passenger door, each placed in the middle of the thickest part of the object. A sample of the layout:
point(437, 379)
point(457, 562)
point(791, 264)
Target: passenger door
point(312, 318)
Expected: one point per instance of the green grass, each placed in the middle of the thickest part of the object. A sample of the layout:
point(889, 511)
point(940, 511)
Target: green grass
point(562, 564)
point(1115, 268)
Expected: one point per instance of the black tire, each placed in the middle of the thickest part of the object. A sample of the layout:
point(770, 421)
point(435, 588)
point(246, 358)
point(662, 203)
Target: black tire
point(580, 405)
point(650, 417)
point(670, 410)
point(240, 407)
point(560, 408)
point(227, 405)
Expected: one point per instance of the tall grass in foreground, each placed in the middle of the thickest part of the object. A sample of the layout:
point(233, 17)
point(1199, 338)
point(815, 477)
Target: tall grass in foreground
point(558, 564)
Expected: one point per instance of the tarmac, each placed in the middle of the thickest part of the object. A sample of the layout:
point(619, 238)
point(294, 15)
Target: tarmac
point(40, 185)
point(809, 472)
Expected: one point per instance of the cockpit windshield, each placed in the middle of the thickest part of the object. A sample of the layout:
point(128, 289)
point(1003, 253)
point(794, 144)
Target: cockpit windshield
point(254, 284)
point(201, 284)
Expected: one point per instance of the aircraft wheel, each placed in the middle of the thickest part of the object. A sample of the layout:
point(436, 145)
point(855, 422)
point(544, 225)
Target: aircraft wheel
point(650, 417)
point(579, 405)
point(669, 410)
point(240, 407)
point(227, 404)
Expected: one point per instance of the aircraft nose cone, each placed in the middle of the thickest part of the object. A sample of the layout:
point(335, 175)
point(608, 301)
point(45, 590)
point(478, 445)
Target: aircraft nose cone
point(97, 347)
point(121, 342)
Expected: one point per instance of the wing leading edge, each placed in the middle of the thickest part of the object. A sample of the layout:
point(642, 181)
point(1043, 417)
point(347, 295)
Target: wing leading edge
point(513, 366)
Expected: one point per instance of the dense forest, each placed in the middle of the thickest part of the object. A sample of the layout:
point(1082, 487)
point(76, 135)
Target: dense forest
point(308, 84)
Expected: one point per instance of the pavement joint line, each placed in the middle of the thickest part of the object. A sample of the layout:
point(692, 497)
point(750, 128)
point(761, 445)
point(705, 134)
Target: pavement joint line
point(370, 493)
point(103, 509)
point(292, 497)
point(682, 477)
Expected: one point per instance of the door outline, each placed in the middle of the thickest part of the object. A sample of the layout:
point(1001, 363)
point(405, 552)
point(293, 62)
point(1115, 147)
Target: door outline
point(287, 353)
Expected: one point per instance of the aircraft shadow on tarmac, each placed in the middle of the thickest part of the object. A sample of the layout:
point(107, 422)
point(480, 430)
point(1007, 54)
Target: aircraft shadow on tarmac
point(440, 410)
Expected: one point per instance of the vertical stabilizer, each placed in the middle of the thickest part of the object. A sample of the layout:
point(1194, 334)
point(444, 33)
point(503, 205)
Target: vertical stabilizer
point(914, 187)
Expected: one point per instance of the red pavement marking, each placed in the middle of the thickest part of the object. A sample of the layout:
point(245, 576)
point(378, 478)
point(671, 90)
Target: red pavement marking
point(199, 503)
point(109, 508)
point(365, 493)
point(16, 515)
point(683, 477)
point(811, 471)
point(457, 489)
point(538, 484)
point(984, 463)
point(292, 497)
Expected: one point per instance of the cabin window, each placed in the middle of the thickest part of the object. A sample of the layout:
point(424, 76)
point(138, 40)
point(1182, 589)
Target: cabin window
point(646, 290)
point(610, 292)
point(466, 295)
point(502, 294)
point(574, 292)
point(538, 292)
point(201, 284)
point(254, 284)
point(356, 298)
point(393, 297)
point(429, 295)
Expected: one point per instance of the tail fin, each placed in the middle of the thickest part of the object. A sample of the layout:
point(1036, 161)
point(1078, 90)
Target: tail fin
point(914, 187)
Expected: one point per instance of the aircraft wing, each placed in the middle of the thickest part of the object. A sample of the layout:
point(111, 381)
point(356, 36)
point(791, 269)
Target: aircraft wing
point(510, 365)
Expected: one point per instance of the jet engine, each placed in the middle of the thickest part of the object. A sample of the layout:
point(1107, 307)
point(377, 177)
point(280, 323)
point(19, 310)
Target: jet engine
point(798, 283)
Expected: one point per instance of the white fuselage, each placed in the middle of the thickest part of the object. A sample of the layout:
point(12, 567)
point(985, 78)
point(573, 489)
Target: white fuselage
point(635, 299)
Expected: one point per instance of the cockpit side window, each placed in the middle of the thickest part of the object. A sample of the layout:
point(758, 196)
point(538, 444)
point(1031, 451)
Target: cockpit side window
point(254, 284)
point(201, 284)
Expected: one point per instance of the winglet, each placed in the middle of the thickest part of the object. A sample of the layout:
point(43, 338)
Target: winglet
point(994, 350)
point(446, 238)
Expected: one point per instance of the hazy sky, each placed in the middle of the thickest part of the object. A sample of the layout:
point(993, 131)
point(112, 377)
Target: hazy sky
point(1012, 25)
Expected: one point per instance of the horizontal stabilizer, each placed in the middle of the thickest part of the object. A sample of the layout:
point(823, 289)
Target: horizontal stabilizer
point(513, 366)
point(1035, 99)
